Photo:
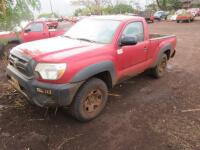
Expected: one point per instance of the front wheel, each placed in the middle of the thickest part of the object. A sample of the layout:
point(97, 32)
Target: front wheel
point(160, 69)
point(90, 100)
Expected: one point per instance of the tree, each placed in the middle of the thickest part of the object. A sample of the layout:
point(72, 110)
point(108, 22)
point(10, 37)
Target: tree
point(94, 6)
point(152, 6)
point(12, 12)
point(117, 9)
point(122, 9)
point(48, 15)
point(169, 4)
point(161, 4)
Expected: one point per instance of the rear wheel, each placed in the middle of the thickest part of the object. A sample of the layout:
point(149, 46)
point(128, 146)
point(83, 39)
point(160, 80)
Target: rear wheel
point(90, 100)
point(160, 69)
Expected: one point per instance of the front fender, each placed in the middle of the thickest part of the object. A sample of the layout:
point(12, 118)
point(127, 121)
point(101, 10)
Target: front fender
point(95, 69)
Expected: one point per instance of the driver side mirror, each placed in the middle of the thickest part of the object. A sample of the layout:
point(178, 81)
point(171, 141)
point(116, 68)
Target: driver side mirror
point(128, 40)
point(27, 30)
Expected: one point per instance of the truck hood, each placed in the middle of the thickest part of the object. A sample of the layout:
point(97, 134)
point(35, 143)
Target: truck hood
point(55, 48)
point(7, 35)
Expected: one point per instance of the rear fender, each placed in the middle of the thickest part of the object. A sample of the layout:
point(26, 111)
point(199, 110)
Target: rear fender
point(162, 50)
point(95, 69)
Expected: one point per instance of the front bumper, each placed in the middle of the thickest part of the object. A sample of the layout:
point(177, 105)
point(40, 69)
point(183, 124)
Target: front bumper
point(42, 94)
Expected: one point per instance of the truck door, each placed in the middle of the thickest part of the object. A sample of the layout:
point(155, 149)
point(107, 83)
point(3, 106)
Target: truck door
point(35, 31)
point(133, 54)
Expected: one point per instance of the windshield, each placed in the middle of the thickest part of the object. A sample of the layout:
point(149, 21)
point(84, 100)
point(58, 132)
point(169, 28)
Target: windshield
point(94, 30)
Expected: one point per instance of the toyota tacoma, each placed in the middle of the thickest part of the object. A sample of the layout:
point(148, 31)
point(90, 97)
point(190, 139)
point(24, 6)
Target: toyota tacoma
point(76, 70)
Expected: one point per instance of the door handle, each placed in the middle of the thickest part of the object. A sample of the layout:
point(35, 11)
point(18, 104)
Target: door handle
point(145, 49)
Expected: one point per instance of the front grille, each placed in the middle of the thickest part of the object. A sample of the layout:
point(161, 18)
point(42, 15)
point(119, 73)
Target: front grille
point(21, 65)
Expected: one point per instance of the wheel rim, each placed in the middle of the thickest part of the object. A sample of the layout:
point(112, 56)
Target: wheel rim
point(162, 66)
point(93, 101)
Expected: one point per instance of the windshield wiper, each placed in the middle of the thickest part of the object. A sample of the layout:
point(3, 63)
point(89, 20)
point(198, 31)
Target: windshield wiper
point(87, 40)
point(68, 37)
point(81, 39)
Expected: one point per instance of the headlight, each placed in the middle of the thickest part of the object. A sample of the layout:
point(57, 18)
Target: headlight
point(50, 71)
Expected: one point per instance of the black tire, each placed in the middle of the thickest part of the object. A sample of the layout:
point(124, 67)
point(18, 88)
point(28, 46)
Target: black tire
point(178, 21)
point(160, 69)
point(90, 100)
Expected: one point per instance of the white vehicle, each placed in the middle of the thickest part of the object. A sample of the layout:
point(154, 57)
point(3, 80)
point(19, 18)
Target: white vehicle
point(194, 11)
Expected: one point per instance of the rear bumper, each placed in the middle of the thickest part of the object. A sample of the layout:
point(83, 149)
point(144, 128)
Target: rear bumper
point(42, 94)
point(183, 18)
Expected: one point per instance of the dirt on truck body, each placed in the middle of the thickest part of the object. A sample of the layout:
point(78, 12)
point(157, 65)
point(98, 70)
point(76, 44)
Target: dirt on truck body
point(142, 113)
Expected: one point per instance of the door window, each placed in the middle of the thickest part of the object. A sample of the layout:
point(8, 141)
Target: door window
point(135, 29)
point(35, 27)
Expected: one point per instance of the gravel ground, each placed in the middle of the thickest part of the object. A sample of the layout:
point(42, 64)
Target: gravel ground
point(142, 113)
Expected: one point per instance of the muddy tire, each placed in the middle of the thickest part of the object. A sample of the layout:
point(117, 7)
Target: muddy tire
point(90, 100)
point(160, 69)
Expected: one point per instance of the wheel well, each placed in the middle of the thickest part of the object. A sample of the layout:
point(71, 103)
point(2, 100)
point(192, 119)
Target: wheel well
point(167, 52)
point(106, 77)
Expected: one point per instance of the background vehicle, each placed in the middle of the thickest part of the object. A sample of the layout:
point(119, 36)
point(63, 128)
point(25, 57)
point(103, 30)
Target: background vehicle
point(52, 24)
point(178, 12)
point(185, 17)
point(78, 18)
point(35, 30)
point(194, 11)
point(77, 69)
point(160, 15)
point(148, 15)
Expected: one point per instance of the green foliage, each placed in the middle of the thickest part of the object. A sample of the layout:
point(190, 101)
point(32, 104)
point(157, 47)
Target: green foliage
point(195, 6)
point(11, 15)
point(117, 9)
point(48, 15)
point(169, 4)
point(174, 4)
point(152, 6)
point(122, 9)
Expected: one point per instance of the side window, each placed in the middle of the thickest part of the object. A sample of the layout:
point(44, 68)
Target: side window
point(135, 29)
point(35, 27)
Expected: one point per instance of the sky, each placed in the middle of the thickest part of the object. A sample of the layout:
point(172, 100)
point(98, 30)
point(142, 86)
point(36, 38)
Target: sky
point(64, 7)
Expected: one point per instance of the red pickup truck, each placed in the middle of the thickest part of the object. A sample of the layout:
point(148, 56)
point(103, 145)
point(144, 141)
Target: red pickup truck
point(36, 30)
point(77, 70)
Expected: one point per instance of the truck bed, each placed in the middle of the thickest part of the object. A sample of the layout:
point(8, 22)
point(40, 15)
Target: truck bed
point(159, 36)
